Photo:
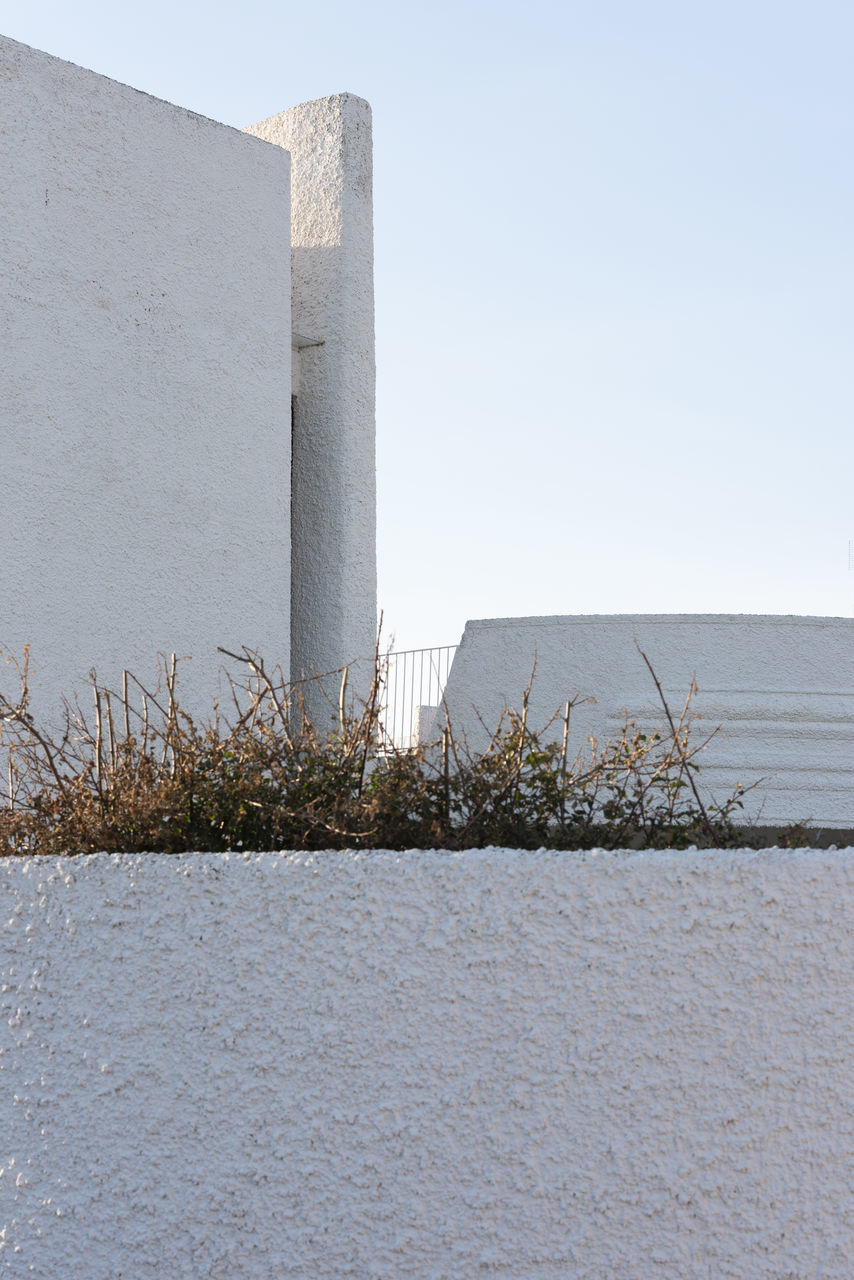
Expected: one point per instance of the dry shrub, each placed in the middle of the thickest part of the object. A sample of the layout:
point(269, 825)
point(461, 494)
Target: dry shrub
point(140, 775)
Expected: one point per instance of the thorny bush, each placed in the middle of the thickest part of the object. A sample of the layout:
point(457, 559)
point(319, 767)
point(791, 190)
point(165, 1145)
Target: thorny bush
point(140, 775)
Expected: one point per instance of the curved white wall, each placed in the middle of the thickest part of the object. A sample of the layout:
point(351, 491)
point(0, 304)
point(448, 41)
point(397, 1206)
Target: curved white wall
point(409, 1065)
point(782, 688)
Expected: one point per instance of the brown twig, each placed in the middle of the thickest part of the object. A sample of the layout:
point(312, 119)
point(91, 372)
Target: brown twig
point(709, 825)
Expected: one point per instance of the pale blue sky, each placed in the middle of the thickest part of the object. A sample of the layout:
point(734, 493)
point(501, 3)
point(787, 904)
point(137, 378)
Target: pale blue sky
point(614, 283)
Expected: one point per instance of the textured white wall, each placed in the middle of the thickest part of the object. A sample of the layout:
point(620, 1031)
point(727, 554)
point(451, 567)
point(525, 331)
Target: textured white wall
point(425, 1065)
point(334, 614)
point(145, 385)
point(781, 687)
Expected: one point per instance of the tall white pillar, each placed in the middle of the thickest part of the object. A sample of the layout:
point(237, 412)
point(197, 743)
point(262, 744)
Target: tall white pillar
point(333, 505)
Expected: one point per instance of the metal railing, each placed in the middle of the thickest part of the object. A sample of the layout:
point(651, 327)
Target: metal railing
point(412, 695)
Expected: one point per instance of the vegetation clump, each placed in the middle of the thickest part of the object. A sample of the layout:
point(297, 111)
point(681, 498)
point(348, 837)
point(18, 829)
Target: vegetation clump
point(139, 774)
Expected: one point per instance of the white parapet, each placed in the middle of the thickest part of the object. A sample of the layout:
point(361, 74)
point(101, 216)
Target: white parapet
point(145, 384)
point(333, 614)
point(781, 688)
point(537, 1066)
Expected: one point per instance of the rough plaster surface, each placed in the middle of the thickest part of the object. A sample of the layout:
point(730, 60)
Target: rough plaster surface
point(782, 688)
point(145, 400)
point(428, 1065)
point(334, 581)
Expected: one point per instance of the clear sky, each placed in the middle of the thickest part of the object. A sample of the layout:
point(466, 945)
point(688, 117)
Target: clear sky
point(614, 283)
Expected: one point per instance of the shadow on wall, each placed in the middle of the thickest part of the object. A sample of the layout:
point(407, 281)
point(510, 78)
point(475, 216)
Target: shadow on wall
point(333, 510)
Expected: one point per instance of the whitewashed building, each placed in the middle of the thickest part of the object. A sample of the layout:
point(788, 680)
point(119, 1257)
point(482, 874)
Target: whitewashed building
point(187, 382)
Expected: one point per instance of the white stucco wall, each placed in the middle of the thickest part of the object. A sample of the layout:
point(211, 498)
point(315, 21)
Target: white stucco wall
point(781, 687)
point(145, 385)
point(424, 1065)
point(334, 614)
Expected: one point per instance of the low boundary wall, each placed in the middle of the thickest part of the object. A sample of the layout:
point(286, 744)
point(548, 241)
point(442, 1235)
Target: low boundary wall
point(428, 1065)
